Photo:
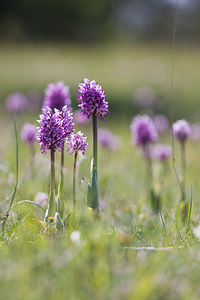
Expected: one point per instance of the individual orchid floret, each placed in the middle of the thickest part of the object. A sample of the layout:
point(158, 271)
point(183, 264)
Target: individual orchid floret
point(161, 152)
point(57, 95)
point(29, 133)
point(91, 99)
point(16, 103)
point(161, 123)
point(51, 134)
point(77, 143)
point(143, 130)
point(181, 130)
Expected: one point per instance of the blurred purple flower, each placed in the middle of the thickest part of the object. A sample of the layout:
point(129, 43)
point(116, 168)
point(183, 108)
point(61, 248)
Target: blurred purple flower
point(41, 199)
point(16, 103)
point(161, 123)
point(80, 119)
point(108, 140)
point(77, 143)
point(144, 96)
point(57, 95)
point(29, 133)
point(67, 120)
point(181, 130)
point(161, 152)
point(91, 99)
point(195, 132)
point(51, 134)
point(143, 130)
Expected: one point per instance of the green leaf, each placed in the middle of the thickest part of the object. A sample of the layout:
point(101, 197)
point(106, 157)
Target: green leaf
point(50, 212)
point(92, 196)
point(59, 223)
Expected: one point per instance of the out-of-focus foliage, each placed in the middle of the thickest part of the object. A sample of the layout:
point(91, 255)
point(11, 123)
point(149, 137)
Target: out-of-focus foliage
point(93, 20)
point(56, 19)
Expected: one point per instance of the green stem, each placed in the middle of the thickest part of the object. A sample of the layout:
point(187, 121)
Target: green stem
point(61, 200)
point(92, 195)
point(52, 183)
point(183, 162)
point(95, 160)
point(95, 137)
point(74, 180)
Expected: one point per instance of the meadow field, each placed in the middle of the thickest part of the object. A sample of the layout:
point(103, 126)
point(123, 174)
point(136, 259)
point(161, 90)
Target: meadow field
point(128, 251)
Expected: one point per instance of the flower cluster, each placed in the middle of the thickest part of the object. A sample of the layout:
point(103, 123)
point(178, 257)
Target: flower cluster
point(77, 143)
point(67, 120)
point(55, 127)
point(57, 95)
point(29, 133)
point(51, 134)
point(161, 152)
point(91, 99)
point(143, 130)
point(16, 103)
point(181, 130)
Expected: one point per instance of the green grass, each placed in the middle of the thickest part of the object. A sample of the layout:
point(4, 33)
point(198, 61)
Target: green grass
point(39, 264)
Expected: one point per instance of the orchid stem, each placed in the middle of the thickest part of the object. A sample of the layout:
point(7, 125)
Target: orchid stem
point(52, 184)
point(74, 180)
point(183, 161)
point(61, 199)
point(95, 137)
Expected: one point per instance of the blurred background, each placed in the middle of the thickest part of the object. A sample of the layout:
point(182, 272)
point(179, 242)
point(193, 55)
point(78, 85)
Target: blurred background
point(122, 44)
